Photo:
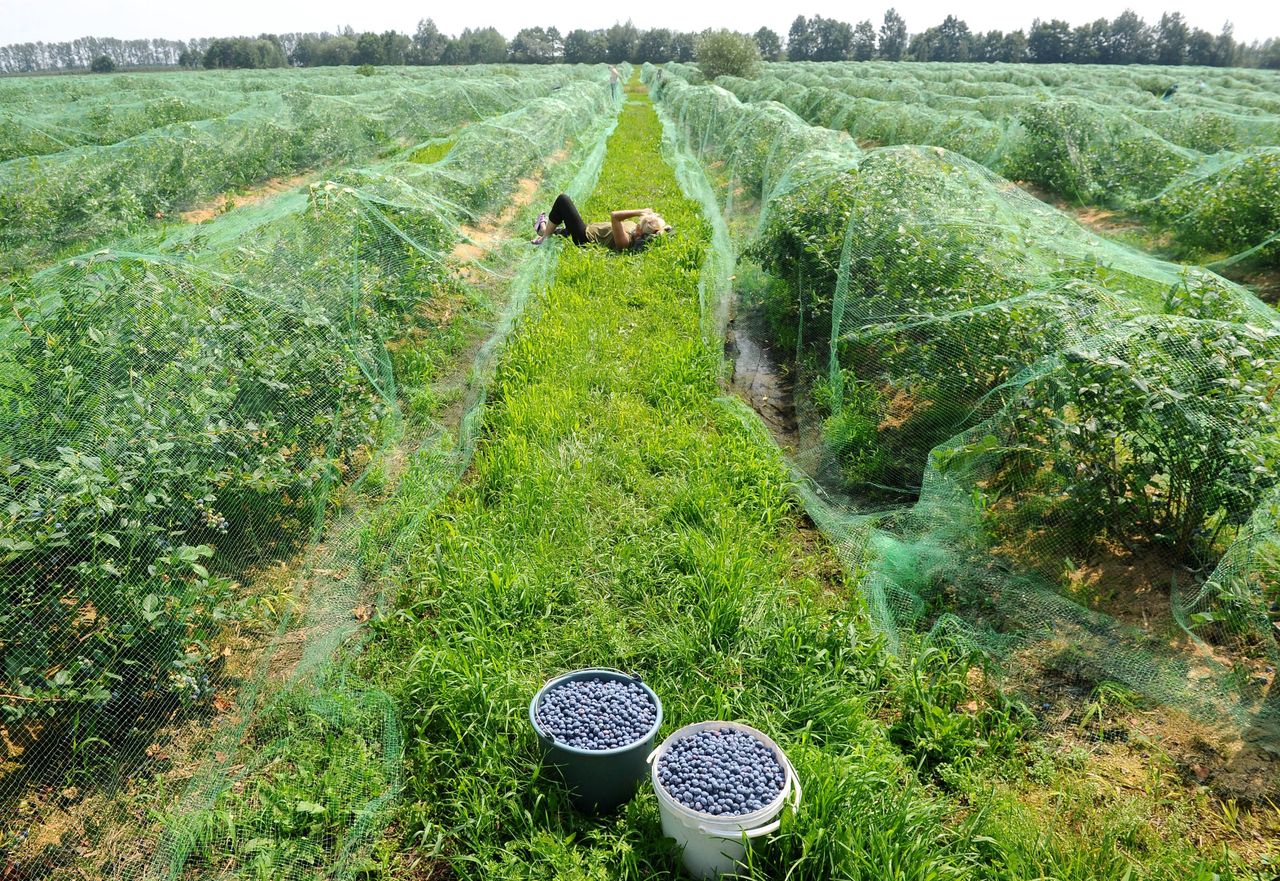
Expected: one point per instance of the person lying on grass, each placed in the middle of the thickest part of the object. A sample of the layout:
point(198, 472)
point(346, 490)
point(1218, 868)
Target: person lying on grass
point(620, 233)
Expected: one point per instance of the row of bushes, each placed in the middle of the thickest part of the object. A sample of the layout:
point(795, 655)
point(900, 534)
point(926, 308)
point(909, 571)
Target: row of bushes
point(1041, 392)
point(50, 203)
point(171, 424)
point(1215, 205)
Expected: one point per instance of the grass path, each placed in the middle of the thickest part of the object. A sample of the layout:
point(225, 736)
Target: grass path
point(618, 514)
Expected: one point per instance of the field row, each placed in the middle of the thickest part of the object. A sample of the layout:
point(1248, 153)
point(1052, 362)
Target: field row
point(41, 115)
point(1203, 162)
point(80, 196)
point(1029, 424)
point(176, 422)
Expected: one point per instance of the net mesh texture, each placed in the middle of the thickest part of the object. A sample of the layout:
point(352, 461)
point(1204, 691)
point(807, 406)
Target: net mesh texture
point(1191, 150)
point(201, 425)
point(1024, 440)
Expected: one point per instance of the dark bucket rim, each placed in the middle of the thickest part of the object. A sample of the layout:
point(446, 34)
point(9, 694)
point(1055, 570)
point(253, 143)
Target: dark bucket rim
point(577, 750)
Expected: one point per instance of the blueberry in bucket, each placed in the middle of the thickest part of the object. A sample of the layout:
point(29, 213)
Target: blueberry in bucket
point(596, 714)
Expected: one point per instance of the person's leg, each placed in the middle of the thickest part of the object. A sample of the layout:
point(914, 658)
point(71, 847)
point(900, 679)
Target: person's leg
point(565, 212)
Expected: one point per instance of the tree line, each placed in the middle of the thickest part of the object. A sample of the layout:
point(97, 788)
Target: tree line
point(1126, 39)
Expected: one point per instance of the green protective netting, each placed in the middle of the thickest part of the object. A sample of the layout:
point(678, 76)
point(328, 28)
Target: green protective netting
point(1203, 162)
point(40, 115)
point(280, 127)
point(1021, 437)
point(198, 440)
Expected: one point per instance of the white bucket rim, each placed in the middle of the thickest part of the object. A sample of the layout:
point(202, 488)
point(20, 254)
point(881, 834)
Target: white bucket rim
point(577, 750)
point(742, 822)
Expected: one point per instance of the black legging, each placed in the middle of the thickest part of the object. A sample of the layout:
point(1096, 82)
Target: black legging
point(565, 213)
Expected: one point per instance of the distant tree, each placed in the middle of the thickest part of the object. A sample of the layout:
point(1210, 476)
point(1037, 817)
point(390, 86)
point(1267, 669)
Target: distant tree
point(1171, 39)
point(396, 47)
point(102, 64)
point(244, 52)
point(1225, 51)
point(864, 41)
point(1049, 42)
point(1089, 42)
point(727, 53)
point(303, 53)
point(585, 47)
point(988, 47)
point(620, 42)
point(949, 41)
point(770, 44)
point(1130, 40)
point(923, 46)
point(893, 36)
point(800, 40)
point(833, 40)
point(1269, 54)
point(368, 49)
point(336, 51)
point(1014, 50)
point(956, 41)
point(189, 58)
point(428, 43)
point(684, 44)
point(654, 46)
point(1201, 48)
point(482, 46)
point(537, 46)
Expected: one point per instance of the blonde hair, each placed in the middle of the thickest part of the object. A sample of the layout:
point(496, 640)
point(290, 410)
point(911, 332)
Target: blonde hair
point(650, 224)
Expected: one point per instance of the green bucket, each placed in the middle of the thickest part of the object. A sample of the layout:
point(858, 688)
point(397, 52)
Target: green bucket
point(599, 780)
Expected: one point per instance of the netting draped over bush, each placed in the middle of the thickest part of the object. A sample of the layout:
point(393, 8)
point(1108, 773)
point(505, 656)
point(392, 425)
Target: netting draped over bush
point(273, 127)
point(1196, 152)
point(187, 435)
point(1021, 437)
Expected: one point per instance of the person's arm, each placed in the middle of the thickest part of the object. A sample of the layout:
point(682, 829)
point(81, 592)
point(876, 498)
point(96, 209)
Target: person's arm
point(621, 237)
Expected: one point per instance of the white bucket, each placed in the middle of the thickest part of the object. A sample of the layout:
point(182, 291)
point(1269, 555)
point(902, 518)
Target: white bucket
point(716, 845)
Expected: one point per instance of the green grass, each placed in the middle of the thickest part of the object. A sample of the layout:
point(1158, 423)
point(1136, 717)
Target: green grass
point(432, 151)
point(619, 514)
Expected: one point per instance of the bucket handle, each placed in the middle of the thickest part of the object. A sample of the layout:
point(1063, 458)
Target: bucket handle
point(736, 835)
point(795, 784)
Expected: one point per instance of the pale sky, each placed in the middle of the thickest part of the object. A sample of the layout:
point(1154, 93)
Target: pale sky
point(55, 20)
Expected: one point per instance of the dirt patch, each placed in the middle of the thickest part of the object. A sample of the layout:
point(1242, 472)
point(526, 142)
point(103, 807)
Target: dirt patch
point(1134, 586)
point(1127, 739)
point(227, 201)
point(1141, 768)
point(760, 378)
point(480, 240)
point(1264, 283)
point(106, 832)
point(1128, 229)
point(1069, 678)
point(1102, 220)
point(900, 407)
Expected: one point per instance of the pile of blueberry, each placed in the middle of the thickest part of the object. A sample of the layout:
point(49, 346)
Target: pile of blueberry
point(721, 771)
point(596, 713)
